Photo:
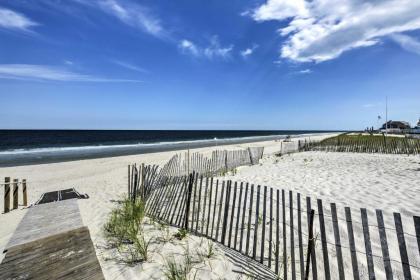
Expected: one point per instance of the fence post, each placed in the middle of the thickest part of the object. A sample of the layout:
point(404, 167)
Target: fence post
point(129, 182)
point(15, 193)
point(310, 243)
point(226, 161)
point(6, 194)
point(250, 156)
point(189, 192)
point(25, 195)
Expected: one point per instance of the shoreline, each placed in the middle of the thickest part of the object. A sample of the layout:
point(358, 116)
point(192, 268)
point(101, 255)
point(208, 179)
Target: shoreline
point(64, 154)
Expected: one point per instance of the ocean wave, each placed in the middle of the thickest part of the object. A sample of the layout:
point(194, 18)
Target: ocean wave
point(218, 141)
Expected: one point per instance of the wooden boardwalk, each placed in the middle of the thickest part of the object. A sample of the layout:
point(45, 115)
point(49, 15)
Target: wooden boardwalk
point(51, 243)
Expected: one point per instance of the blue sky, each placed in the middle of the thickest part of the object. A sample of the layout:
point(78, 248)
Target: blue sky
point(276, 64)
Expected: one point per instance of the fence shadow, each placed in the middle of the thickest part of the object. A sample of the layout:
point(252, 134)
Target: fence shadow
point(247, 266)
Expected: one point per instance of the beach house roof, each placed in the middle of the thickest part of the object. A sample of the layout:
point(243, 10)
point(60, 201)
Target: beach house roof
point(396, 124)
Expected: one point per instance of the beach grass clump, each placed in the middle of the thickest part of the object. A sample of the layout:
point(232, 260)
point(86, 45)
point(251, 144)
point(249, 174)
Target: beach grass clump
point(178, 270)
point(181, 234)
point(124, 231)
point(125, 221)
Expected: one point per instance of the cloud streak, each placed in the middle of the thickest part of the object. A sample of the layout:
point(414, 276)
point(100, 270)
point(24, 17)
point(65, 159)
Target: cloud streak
point(406, 42)
point(212, 51)
point(248, 51)
point(132, 14)
point(129, 66)
point(321, 30)
point(16, 21)
point(49, 73)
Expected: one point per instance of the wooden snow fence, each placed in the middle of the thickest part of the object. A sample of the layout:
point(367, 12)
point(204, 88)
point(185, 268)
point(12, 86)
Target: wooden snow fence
point(364, 144)
point(142, 180)
point(296, 237)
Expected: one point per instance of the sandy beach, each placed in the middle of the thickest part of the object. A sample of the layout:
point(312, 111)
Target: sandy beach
point(372, 181)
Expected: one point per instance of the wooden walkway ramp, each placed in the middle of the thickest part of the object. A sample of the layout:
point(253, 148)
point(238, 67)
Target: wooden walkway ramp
point(51, 242)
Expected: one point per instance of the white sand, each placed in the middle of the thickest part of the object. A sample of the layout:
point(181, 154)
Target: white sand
point(388, 182)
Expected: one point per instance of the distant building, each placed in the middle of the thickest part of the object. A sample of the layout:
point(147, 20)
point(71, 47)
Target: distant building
point(396, 125)
point(418, 125)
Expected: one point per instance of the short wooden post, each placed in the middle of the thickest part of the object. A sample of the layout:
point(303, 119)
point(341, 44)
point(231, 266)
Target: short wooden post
point(6, 194)
point(15, 193)
point(24, 193)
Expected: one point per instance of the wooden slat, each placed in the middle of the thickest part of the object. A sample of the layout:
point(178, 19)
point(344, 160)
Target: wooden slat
point(301, 257)
point(232, 214)
point(323, 240)
point(189, 193)
point(311, 247)
point(337, 242)
point(226, 211)
point(313, 255)
point(283, 203)
point(243, 218)
point(263, 225)
point(199, 204)
point(352, 244)
point(257, 213)
point(365, 224)
point(384, 245)
point(209, 211)
point(248, 233)
point(417, 227)
point(220, 211)
point(238, 215)
point(403, 249)
point(292, 237)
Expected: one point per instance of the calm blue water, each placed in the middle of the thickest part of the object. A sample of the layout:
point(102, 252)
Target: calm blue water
point(18, 147)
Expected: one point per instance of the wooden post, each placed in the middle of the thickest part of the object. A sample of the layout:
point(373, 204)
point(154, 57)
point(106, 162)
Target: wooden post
point(25, 195)
point(128, 190)
point(6, 194)
point(15, 193)
point(189, 191)
point(310, 244)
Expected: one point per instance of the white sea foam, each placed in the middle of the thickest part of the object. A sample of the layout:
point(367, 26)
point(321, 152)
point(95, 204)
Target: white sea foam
point(116, 147)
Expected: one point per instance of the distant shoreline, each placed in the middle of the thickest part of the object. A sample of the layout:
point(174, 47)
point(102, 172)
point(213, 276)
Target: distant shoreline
point(63, 154)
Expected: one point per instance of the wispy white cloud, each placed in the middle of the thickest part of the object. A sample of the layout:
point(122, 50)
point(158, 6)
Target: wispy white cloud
point(132, 14)
point(13, 20)
point(406, 42)
point(305, 71)
point(189, 47)
point(213, 50)
point(129, 66)
point(248, 51)
point(320, 30)
point(49, 73)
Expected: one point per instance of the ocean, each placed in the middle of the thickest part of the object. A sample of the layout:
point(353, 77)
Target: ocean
point(22, 147)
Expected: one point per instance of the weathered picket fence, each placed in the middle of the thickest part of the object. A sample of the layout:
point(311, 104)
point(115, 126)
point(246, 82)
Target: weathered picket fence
point(143, 179)
point(273, 226)
point(219, 163)
point(364, 144)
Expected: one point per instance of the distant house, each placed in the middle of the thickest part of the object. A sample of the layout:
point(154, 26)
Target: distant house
point(396, 125)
